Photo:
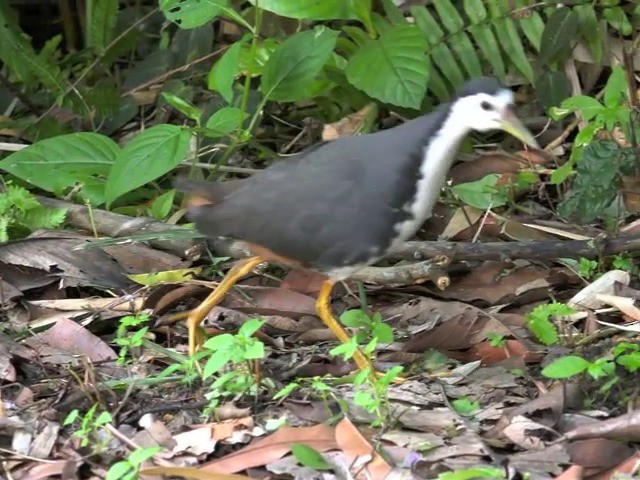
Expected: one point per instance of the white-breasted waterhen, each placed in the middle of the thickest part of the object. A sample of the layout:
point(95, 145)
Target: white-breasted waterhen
point(341, 205)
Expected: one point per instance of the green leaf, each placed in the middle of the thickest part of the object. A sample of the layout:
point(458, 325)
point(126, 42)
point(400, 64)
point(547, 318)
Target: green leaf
point(475, 10)
point(192, 13)
point(148, 156)
point(225, 121)
point(383, 332)
point(631, 362)
point(310, 9)
point(566, 367)
point(393, 68)
point(533, 27)
point(482, 193)
point(225, 70)
point(486, 40)
point(559, 34)
point(513, 47)
point(60, 162)
point(44, 217)
point(119, 471)
point(100, 22)
point(285, 391)
point(254, 351)
point(309, 457)
point(449, 16)
point(467, 54)
point(439, 53)
point(184, 107)
point(596, 183)
point(588, 106)
point(215, 362)
point(296, 63)
point(161, 206)
point(590, 30)
point(474, 474)
point(615, 91)
point(219, 342)
point(250, 327)
point(464, 406)
point(355, 318)
point(617, 18)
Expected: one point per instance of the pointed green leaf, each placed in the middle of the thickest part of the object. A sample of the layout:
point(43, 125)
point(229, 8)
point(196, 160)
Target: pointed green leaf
point(392, 68)
point(292, 68)
point(615, 91)
point(466, 54)
point(559, 35)
point(486, 40)
point(101, 21)
point(513, 47)
point(565, 367)
point(475, 10)
point(225, 70)
point(533, 27)
point(589, 106)
point(309, 457)
point(617, 18)
point(225, 121)
point(149, 155)
point(449, 16)
point(590, 32)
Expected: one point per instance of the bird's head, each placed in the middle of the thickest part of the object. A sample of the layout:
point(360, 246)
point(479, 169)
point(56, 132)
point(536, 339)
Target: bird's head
point(484, 104)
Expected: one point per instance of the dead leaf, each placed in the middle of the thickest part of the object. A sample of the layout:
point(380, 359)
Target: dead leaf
point(359, 451)
point(320, 437)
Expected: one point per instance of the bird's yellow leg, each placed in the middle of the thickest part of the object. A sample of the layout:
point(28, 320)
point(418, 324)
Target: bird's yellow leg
point(197, 315)
point(323, 308)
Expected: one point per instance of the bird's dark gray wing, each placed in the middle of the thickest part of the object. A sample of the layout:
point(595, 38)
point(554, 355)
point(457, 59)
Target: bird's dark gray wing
point(334, 207)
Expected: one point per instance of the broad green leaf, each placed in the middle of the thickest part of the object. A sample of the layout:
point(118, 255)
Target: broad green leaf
point(309, 457)
point(383, 332)
point(355, 318)
point(216, 361)
point(565, 367)
point(559, 35)
point(449, 16)
point(293, 67)
point(225, 70)
point(615, 91)
point(219, 342)
point(482, 193)
point(167, 276)
point(486, 40)
point(475, 10)
point(192, 13)
point(588, 106)
point(225, 121)
point(590, 32)
point(101, 21)
point(184, 107)
point(428, 25)
point(510, 41)
point(392, 68)
point(311, 9)
point(533, 27)
point(467, 54)
point(61, 162)
point(148, 156)
point(474, 473)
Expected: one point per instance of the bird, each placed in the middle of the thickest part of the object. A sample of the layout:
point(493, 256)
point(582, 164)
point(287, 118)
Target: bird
point(343, 204)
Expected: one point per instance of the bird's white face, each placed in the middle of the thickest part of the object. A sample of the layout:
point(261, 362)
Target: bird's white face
point(484, 112)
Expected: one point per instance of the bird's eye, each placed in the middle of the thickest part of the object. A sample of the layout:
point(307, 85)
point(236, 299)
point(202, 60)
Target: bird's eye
point(486, 106)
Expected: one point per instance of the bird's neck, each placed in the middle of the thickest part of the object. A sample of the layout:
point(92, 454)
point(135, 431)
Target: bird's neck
point(438, 153)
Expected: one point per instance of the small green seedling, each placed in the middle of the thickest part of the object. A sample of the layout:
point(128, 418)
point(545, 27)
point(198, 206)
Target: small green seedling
point(496, 340)
point(128, 469)
point(21, 214)
point(587, 268)
point(540, 324)
point(127, 340)
point(465, 406)
point(90, 426)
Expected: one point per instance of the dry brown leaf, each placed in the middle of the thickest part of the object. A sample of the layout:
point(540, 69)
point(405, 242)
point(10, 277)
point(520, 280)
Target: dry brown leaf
point(319, 437)
point(359, 451)
point(271, 301)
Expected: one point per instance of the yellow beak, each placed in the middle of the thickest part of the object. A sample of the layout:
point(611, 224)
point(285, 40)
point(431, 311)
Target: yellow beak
point(513, 126)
